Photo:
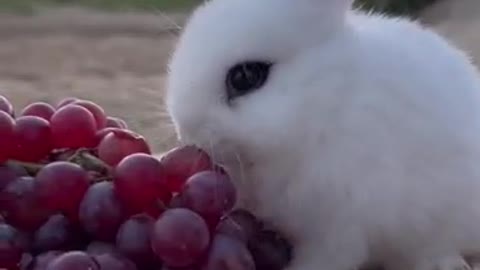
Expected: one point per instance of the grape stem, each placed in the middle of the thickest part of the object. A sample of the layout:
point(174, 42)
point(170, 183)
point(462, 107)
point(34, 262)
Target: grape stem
point(81, 157)
point(162, 206)
point(32, 168)
point(103, 179)
point(89, 162)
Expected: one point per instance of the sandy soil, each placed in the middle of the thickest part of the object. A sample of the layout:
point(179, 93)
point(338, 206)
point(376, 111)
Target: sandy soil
point(458, 20)
point(118, 62)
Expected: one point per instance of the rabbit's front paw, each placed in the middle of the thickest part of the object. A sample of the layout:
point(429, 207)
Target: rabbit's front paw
point(339, 255)
point(454, 262)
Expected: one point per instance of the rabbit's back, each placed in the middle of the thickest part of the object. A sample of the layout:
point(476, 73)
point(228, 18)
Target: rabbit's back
point(416, 71)
point(409, 142)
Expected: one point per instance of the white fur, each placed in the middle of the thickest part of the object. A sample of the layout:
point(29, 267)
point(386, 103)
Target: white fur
point(364, 144)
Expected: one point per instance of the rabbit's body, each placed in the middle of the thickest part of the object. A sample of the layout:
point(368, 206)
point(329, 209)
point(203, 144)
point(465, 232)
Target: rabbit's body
point(363, 144)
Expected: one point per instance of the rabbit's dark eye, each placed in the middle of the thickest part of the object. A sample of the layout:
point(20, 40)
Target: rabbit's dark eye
point(246, 77)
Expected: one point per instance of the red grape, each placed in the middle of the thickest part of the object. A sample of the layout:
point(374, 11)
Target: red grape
point(33, 138)
point(116, 123)
point(270, 250)
point(101, 213)
point(114, 261)
point(7, 125)
point(61, 186)
point(55, 234)
point(133, 239)
point(239, 224)
point(99, 248)
point(139, 182)
point(40, 109)
point(228, 254)
point(73, 126)
point(42, 260)
point(64, 102)
point(73, 260)
point(11, 247)
point(139, 212)
point(182, 162)
point(97, 112)
point(210, 194)
point(10, 172)
point(20, 204)
point(6, 106)
point(121, 143)
point(180, 237)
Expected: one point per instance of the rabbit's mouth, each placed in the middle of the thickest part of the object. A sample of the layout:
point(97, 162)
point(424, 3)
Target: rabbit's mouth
point(227, 156)
point(221, 151)
point(235, 164)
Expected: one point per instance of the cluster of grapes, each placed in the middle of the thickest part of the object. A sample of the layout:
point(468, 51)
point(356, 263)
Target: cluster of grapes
point(79, 190)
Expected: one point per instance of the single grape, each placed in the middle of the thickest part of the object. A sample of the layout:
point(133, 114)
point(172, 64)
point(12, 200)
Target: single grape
point(73, 126)
point(182, 162)
point(32, 139)
point(99, 248)
point(11, 247)
point(61, 186)
point(209, 194)
point(239, 224)
point(227, 253)
point(40, 109)
point(139, 182)
point(6, 106)
point(115, 122)
point(9, 172)
point(73, 260)
point(180, 237)
point(101, 213)
point(64, 102)
point(114, 261)
point(56, 234)
point(270, 250)
point(102, 133)
point(7, 127)
point(133, 239)
point(20, 204)
point(26, 262)
point(41, 261)
point(119, 144)
point(96, 110)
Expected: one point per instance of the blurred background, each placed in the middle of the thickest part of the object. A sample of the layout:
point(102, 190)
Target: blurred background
point(114, 51)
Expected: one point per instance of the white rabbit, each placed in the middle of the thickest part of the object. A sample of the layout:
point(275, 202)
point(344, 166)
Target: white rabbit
point(356, 134)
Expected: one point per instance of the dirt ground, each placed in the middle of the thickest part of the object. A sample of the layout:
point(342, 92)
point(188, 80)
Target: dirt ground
point(116, 61)
point(459, 21)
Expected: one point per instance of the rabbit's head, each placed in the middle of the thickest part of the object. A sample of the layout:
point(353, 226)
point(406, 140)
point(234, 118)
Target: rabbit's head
point(245, 77)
